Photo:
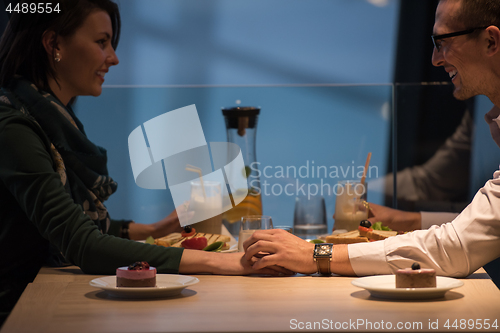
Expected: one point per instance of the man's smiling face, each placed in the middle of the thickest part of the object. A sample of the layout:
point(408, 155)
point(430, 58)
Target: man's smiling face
point(460, 56)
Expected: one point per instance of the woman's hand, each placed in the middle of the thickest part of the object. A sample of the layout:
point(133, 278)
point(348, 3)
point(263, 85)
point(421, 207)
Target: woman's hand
point(168, 225)
point(279, 248)
point(395, 219)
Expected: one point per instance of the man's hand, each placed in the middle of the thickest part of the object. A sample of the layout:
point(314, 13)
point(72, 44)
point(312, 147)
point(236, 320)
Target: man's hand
point(276, 247)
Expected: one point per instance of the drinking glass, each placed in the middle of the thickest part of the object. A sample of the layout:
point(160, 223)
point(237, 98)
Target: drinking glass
point(250, 224)
point(309, 218)
point(284, 227)
point(350, 208)
point(206, 203)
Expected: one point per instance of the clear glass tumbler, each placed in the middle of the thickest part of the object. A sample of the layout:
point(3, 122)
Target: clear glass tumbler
point(309, 219)
point(250, 224)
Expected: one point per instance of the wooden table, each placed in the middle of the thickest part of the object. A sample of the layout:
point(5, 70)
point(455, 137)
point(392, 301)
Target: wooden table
point(61, 300)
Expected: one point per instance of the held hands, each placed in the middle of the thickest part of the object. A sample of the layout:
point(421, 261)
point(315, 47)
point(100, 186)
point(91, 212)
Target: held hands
point(237, 264)
point(196, 261)
point(395, 219)
point(279, 248)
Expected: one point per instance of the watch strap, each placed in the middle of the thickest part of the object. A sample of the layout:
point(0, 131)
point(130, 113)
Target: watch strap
point(323, 266)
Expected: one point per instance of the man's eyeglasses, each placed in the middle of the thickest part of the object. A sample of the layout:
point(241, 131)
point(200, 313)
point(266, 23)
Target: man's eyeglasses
point(437, 38)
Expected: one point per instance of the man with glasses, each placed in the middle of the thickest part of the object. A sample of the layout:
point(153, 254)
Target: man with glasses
point(437, 39)
point(467, 45)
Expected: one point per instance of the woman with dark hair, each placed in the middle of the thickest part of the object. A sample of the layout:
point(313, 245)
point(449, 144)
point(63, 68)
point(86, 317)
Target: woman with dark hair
point(53, 180)
point(20, 55)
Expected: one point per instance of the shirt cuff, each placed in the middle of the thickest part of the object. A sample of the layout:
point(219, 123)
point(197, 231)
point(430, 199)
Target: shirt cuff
point(433, 218)
point(368, 258)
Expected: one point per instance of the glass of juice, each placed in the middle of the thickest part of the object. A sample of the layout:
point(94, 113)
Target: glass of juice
point(206, 203)
point(350, 208)
point(250, 224)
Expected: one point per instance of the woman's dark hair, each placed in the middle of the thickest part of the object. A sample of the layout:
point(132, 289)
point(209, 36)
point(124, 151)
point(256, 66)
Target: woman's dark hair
point(21, 48)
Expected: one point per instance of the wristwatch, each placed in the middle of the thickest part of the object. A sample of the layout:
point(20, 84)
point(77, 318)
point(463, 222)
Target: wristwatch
point(323, 256)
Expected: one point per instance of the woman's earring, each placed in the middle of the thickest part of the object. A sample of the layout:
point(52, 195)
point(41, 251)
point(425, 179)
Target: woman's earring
point(58, 57)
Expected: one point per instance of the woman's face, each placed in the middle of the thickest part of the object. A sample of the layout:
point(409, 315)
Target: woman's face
point(85, 58)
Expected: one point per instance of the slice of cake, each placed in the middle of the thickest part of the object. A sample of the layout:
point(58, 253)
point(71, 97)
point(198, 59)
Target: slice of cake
point(139, 274)
point(416, 277)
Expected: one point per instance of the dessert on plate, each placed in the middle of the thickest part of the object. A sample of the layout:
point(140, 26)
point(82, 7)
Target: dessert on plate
point(416, 277)
point(139, 274)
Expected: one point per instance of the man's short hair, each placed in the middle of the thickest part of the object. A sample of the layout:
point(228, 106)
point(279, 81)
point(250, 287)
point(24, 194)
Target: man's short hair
point(479, 13)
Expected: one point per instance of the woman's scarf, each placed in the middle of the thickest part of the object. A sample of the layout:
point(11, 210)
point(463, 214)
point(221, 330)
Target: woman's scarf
point(80, 163)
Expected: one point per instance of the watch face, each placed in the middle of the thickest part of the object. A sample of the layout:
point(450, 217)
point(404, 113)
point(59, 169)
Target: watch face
point(323, 250)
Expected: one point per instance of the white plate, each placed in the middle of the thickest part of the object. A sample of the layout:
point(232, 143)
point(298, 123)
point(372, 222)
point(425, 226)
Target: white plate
point(233, 248)
point(384, 286)
point(166, 285)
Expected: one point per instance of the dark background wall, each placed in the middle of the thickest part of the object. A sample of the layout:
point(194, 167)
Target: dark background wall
point(426, 119)
point(426, 115)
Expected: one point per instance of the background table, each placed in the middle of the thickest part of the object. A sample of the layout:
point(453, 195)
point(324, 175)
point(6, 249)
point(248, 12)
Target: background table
point(61, 300)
